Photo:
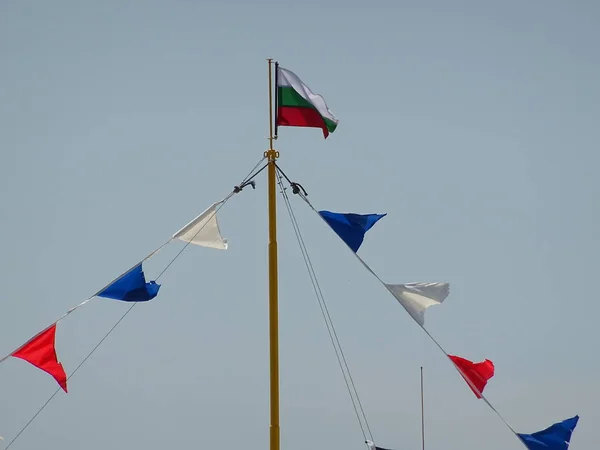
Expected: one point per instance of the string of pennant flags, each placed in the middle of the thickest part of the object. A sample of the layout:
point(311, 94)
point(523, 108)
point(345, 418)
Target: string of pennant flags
point(130, 286)
point(415, 298)
point(295, 99)
point(351, 228)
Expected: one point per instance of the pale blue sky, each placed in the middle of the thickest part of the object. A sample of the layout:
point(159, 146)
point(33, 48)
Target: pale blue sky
point(472, 124)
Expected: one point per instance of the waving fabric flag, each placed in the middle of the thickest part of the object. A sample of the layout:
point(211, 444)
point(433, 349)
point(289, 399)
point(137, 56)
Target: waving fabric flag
point(350, 227)
point(131, 287)
point(555, 437)
point(203, 230)
point(40, 352)
point(298, 106)
point(417, 297)
point(476, 374)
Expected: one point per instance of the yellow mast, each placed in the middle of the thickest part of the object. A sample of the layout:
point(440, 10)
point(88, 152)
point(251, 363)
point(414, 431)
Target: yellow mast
point(272, 156)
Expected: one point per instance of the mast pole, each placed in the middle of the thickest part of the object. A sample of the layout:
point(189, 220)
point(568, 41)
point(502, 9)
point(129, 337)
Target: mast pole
point(422, 412)
point(272, 156)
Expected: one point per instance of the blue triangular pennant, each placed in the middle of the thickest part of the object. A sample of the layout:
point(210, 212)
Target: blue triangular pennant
point(131, 287)
point(555, 437)
point(351, 227)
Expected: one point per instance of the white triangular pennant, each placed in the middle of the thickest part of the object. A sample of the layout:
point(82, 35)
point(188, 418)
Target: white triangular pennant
point(417, 297)
point(203, 230)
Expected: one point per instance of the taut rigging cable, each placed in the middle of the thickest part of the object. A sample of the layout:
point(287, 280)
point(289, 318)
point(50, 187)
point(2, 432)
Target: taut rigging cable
point(352, 391)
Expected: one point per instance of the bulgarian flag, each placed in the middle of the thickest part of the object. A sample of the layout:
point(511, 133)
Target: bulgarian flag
point(298, 106)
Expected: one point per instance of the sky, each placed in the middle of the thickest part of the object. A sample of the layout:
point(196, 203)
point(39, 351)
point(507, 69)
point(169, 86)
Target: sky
point(472, 124)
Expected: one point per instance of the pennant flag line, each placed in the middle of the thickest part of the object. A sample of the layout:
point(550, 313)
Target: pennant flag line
point(350, 227)
point(417, 297)
point(131, 287)
point(40, 352)
point(204, 230)
point(475, 374)
point(298, 106)
point(555, 437)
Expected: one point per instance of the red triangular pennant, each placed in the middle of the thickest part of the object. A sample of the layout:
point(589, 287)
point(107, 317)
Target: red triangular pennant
point(476, 374)
point(40, 352)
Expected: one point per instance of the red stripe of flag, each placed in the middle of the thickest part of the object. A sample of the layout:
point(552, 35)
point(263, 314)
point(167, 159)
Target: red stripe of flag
point(40, 352)
point(293, 116)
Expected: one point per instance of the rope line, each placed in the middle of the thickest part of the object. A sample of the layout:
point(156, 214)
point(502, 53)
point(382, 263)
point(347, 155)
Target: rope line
point(247, 178)
point(341, 358)
point(222, 203)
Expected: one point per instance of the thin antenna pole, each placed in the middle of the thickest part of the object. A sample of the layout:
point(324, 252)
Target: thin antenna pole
point(270, 104)
point(422, 412)
point(272, 156)
point(276, 96)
